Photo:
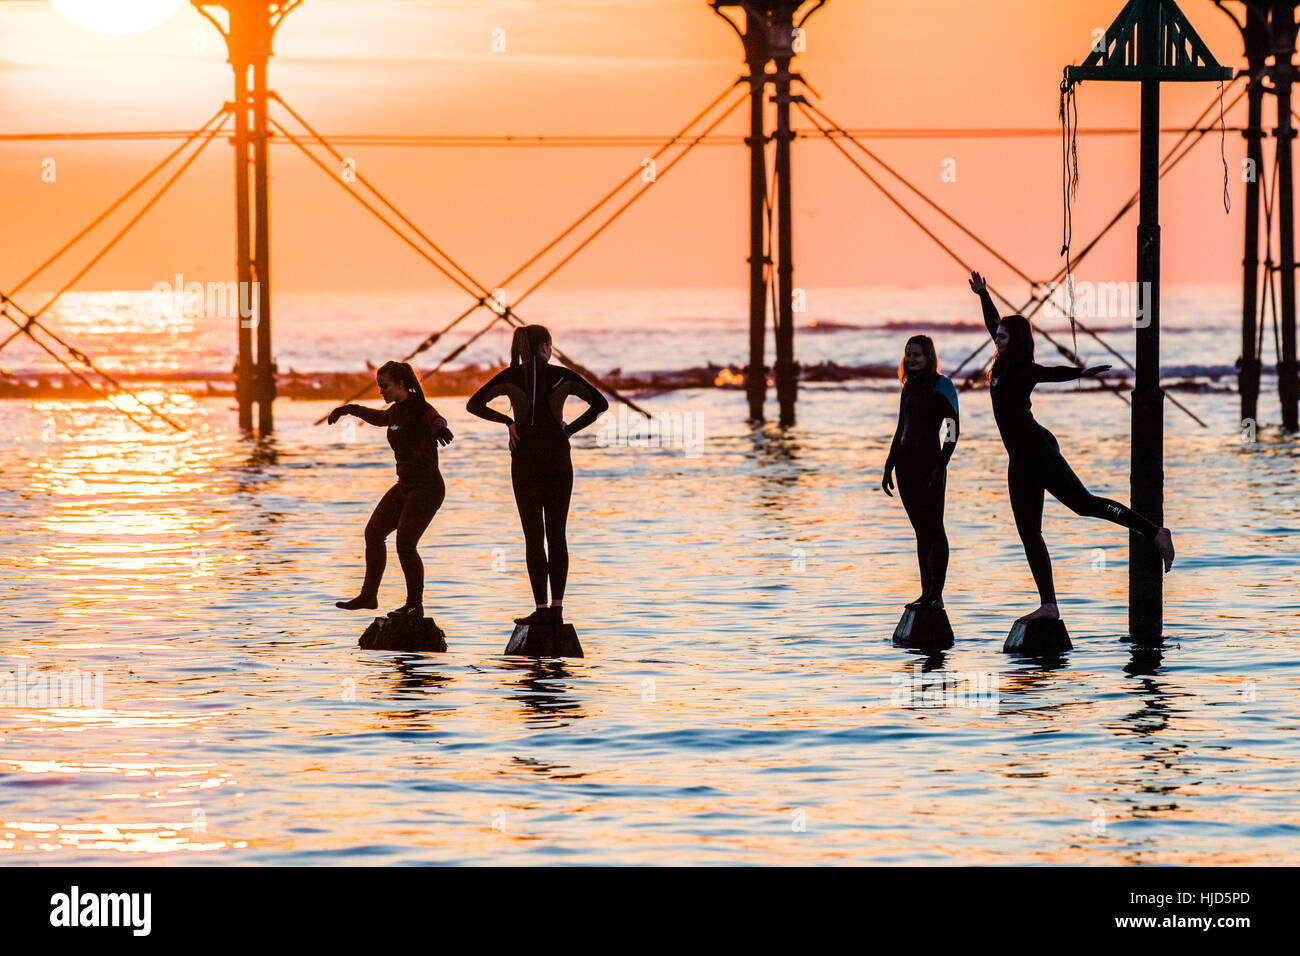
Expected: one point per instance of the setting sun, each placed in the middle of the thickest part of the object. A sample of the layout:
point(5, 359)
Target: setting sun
point(117, 16)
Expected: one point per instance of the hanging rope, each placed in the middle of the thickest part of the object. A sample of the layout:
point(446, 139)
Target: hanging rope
point(1069, 115)
point(1223, 151)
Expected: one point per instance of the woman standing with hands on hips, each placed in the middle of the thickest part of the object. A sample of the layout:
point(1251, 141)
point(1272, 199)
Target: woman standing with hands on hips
point(415, 430)
point(1035, 464)
point(540, 466)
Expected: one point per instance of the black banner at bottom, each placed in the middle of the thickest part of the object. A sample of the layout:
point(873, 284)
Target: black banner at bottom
point(180, 905)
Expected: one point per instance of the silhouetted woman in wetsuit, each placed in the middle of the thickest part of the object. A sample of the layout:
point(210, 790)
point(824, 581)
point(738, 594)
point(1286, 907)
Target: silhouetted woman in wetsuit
point(415, 430)
point(540, 468)
point(927, 416)
point(1035, 462)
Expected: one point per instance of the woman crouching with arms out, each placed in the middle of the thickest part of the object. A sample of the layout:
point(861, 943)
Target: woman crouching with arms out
point(415, 430)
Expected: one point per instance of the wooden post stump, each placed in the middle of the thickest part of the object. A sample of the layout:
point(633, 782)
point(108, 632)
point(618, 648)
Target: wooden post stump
point(924, 627)
point(544, 640)
point(1037, 638)
point(403, 633)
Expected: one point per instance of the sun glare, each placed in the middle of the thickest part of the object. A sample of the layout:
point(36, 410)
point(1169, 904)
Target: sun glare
point(117, 16)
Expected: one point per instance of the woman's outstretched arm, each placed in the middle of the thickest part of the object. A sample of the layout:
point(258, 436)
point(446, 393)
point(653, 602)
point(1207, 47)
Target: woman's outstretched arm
point(438, 427)
point(371, 416)
point(597, 404)
point(1065, 373)
point(991, 317)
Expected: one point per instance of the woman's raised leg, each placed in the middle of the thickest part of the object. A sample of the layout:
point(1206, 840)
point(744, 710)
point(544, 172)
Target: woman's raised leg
point(1069, 490)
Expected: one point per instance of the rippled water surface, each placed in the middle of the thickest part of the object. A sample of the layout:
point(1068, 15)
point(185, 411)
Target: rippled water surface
point(741, 699)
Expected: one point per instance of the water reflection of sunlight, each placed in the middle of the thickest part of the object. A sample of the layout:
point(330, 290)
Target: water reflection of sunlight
point(40, 835)
point(74, 719)
point(176, 787)
point(131, 325)
point(116, 507)
point(769, 675)
point(176, 782)
point(121, 768)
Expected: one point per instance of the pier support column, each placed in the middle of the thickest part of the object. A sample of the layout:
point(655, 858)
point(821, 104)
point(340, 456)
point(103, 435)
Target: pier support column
point(773, 31)
point(784, 368)
point(248, 32)
point(1147, 475)
point(238, 46)
point(265, 377)
point(1283, 77)
point(1248, 370)
point(756, 54)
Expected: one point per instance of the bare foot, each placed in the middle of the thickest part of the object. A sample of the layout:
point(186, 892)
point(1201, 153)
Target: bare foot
point(1047, 612)
point(357, 603)
point(1165, 545)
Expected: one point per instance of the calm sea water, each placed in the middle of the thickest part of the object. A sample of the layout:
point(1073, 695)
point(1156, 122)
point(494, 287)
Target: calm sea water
point(741, 700)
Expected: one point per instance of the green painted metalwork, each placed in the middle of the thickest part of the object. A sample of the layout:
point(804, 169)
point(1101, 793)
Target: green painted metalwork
point(1171, 50)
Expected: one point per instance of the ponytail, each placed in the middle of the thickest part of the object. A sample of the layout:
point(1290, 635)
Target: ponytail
point(527, 340)
point(402, 373)
point(523, 351)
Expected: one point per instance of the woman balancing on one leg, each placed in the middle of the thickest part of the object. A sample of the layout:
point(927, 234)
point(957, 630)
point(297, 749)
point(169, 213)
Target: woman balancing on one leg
point(415, 430)
point(1036, 464)
point(540, 467)
point(926, 411)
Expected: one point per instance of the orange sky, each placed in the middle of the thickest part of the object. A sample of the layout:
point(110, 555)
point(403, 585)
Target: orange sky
point(597, 66)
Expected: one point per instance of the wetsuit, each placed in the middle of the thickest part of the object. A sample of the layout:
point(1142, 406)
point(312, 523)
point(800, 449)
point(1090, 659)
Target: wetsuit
point(540, 467)
point(1035, 461)
point(927, 410)
point(409, 505)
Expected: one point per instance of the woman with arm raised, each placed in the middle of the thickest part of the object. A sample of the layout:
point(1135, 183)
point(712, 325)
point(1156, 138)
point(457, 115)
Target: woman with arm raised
point(1035, 464)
